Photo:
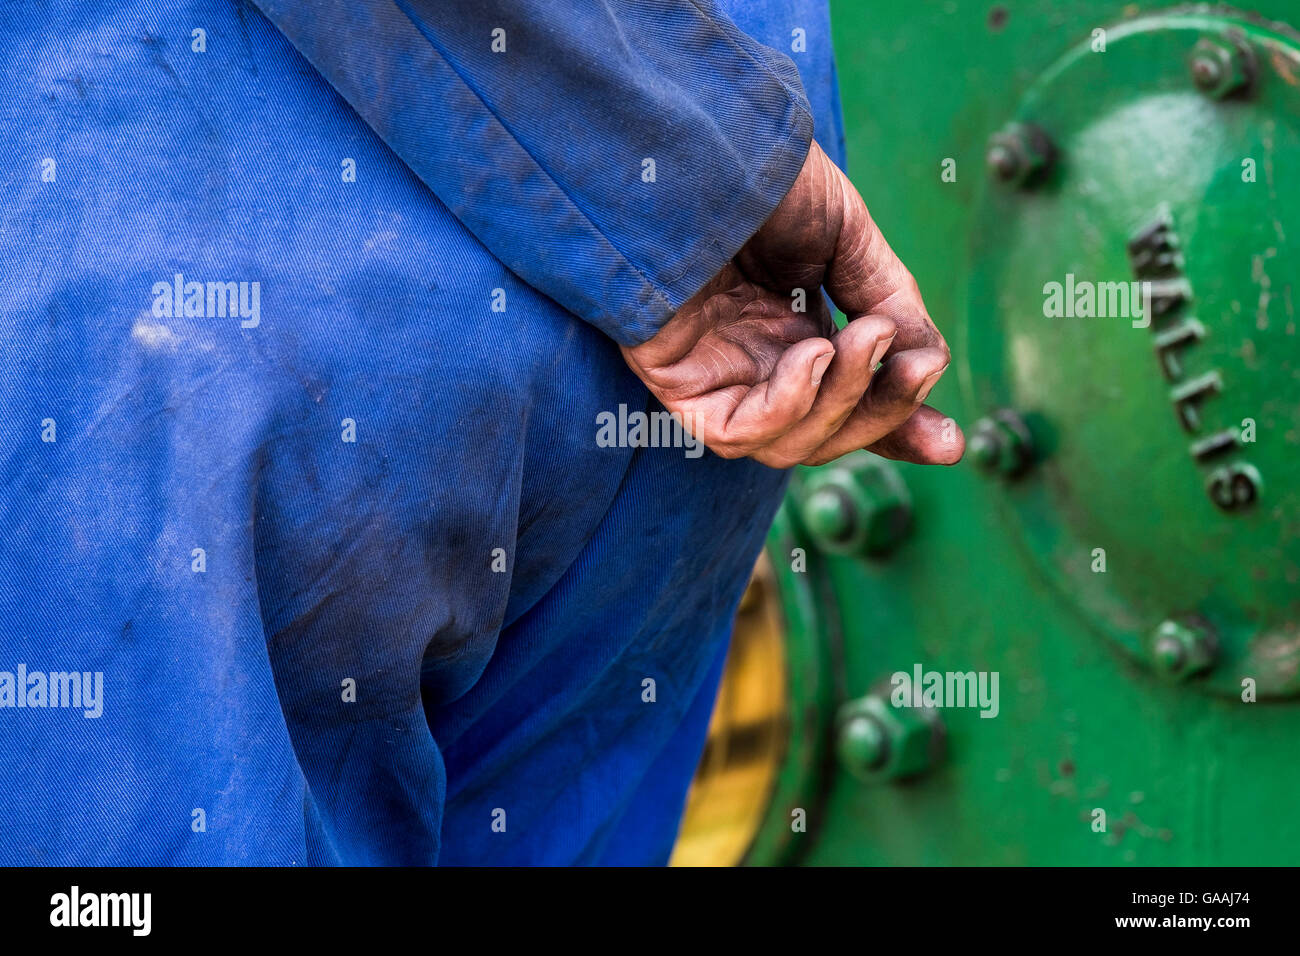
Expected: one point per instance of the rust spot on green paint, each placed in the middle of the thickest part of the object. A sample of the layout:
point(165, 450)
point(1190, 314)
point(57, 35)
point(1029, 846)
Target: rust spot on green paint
point(1284, 67)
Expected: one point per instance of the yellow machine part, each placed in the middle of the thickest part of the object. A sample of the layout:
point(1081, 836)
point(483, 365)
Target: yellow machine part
point(747, 736)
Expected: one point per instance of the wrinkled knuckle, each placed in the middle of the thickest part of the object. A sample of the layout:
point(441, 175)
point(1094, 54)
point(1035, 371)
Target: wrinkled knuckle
point(672, 394)
point(730, 450)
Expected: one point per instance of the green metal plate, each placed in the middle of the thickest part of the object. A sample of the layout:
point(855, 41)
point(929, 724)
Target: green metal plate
point(812, 640)
point(1167, 485)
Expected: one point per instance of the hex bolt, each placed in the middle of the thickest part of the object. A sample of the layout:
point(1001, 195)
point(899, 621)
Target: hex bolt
point(1001, 444)
point(862, 744)
point(858, 505)
point(829, 514)
point(1003, 162)
point(875, 741)
point(1019, 154)
point(1207, 72)
point(1221, 67)
point(985, 444)
point(1182, 648)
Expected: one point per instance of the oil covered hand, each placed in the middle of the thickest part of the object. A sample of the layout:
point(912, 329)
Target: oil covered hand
point(755, 366)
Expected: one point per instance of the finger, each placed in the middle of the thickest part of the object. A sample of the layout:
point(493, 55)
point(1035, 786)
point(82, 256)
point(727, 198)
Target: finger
point(898, 389)
point(858, 347)
point(865, 276)
point(737, 421)
point(725, 292)
point(733, 338)
point(929, 437)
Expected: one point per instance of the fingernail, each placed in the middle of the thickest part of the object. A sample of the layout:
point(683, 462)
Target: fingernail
point(881, 348)
point(819, 366)
point(923, 392)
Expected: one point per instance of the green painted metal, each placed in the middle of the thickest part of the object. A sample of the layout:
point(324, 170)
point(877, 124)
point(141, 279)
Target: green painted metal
point(1121, 689)
point(877, 741)
point(858, 505)
point(815, 678)
point(1149, 163)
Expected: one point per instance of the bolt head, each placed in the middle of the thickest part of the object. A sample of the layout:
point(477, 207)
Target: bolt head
point(984, 448)
point(1001, 444)
point(1182, 648)
point(828, 514)
point(857, 505)
point(862, 744)
point(877, 741)
point(1018, 153)
point(1206, 72)
point(1170, 655)
point(1002, 162)
point(1221, 67)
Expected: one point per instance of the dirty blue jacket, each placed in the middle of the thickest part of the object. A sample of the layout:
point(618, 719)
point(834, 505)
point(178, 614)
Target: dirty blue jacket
point(308, 550)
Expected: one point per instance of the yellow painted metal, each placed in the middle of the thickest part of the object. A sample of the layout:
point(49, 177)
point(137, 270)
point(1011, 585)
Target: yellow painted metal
point(747, 736)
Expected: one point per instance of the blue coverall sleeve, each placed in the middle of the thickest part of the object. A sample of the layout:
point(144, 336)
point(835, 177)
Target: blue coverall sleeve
point(614, 154)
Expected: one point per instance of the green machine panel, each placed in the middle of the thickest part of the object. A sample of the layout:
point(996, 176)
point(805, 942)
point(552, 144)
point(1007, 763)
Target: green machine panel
point(1081, 645)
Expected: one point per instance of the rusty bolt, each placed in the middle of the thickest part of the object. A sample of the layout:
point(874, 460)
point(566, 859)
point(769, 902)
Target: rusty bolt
point(1221, 67)
point(1019, 154)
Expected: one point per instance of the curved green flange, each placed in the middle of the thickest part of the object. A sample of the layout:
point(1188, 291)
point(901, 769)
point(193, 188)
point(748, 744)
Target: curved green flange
point(809, 619)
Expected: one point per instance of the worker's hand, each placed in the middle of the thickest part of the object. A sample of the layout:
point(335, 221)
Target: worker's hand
point(754, 365)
